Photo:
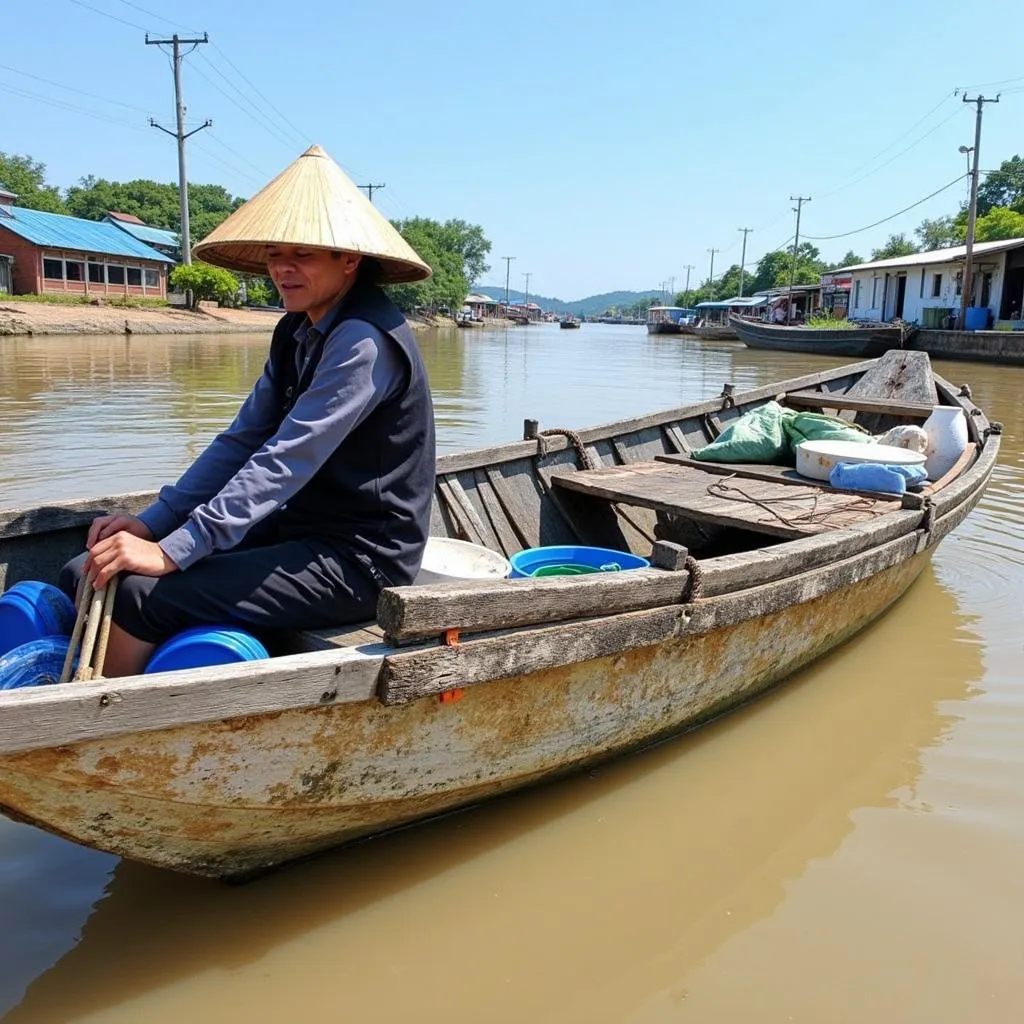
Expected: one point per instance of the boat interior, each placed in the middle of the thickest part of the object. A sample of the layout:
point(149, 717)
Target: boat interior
point(631, 486)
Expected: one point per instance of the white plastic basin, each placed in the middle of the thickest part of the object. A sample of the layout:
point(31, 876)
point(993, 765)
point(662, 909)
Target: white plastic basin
point(817, 459)
point(446, 560)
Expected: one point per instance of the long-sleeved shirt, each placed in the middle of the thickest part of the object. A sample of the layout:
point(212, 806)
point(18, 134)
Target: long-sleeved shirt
point(255, 466)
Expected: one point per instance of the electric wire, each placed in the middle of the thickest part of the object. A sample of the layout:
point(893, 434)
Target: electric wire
point(893, 216)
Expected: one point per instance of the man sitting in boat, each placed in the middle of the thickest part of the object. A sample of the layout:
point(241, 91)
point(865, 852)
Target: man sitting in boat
point(318, 494)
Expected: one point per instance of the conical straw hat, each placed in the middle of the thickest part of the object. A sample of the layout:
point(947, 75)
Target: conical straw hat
point(311, 203)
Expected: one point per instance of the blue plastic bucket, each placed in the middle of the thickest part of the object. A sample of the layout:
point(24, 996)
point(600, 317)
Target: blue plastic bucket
point(37, 663)
point(204, 646)
point(570, 560)
point(30, 611)
point(976, 318)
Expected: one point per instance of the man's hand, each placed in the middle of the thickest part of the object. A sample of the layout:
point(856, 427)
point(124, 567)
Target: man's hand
point(125, 552)
point(106, 526)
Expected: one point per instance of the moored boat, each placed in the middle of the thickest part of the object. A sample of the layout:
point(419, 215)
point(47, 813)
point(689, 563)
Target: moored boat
point(715, 332)
point(670, 320)
point(568, 323)
point(856, 341)
point(462, 691)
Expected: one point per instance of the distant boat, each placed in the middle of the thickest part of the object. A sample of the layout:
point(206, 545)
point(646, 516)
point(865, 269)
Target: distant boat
point(670, 320)
point(859, 341)
point(569, 323)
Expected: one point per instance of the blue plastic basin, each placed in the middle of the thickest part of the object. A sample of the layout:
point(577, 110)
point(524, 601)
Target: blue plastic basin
point(31, 611)
point(37, 663)
point(204, 646)
point(573, 560)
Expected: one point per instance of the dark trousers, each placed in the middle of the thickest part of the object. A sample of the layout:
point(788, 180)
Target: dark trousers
point(294, 584)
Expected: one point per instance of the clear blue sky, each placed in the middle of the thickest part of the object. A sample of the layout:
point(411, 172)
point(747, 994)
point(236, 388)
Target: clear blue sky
point(605, 145)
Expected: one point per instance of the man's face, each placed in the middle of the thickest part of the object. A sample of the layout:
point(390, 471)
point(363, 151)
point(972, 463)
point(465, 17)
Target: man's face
point(310, 280)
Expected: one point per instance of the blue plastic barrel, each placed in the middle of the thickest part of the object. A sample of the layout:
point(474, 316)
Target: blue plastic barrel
point(203, 646)
point(976, 318)
point(572, 560)
point(30, 611)
point(37, 663)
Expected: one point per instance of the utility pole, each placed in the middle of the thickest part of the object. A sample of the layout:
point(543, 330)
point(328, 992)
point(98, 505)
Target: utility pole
point(176, 43)
point(972, 212)
point(526, 300)
point(508, 262)
point(799, 200)
point(711, 278)
point(687, 267)
point(672, 288)
point(743, 258)
point(370, 189)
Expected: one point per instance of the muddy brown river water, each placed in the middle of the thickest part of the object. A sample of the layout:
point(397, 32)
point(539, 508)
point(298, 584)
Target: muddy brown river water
point(848, 849)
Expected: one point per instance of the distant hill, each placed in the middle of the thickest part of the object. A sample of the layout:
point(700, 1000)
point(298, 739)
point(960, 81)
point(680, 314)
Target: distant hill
point(592, 305)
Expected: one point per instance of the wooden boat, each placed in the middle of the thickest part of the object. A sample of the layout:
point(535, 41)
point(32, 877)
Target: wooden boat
point(568, 323)
point(850, 341)
point(715, 332)
point(463, 691)
point(670, 320)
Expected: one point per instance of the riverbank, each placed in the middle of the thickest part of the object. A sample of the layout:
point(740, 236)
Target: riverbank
point(43, 318)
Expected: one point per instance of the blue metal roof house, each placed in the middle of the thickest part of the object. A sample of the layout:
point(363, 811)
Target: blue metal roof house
point(167, 242)
point(52, 253)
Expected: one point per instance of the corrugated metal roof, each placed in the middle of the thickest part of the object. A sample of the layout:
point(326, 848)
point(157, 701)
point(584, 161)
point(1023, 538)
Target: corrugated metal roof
point(61, 232)
point(144, 233)
point(950, 255)
point(745, 300)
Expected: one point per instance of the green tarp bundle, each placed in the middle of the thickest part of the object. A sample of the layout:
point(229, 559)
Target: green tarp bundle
point(771, 433)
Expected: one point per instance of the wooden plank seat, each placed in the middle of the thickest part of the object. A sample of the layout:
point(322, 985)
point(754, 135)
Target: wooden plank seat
point(780, 508)
point(884, 407)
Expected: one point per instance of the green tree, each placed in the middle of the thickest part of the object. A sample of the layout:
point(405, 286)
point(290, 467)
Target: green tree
point(896, 245)
point(454, 250)
point(205, 282)
point(999, 223)
point(154, 202)
point(26, 178)
point(939, 233)
point(469, 241)
point(851, 259)
point(1004, 187)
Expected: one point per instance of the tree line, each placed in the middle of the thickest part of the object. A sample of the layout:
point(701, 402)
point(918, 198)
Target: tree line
point(455, 250)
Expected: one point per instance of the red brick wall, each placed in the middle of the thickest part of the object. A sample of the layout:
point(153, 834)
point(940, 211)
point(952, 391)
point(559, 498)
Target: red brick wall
point(28, 271)
point(28, 267)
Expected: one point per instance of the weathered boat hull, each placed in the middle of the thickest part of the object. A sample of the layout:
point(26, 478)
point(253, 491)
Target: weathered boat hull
point(1003, 347)
point(859, 342)
point(716, 332)
point(229, 798)
point(467, 690)
point(669, 327)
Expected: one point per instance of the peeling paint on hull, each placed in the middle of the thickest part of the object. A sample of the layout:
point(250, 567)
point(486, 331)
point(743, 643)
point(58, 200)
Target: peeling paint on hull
point(233, 797)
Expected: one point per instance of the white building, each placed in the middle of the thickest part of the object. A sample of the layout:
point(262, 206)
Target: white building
point(909, 287)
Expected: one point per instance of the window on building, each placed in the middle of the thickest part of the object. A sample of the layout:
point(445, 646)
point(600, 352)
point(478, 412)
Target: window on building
point(74, 271)
point(53, 270)
point(959, 282)
point(874, 291)
point(96, 273)
point(135, 276)
point(936, 285)
point(152, 278)
point(856, 294)
point(115, 274)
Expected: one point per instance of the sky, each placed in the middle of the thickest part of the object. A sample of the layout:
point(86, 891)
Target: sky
point(603, 145)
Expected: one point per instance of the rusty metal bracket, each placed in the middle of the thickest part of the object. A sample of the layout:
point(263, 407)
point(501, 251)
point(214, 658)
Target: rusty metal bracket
point(728, 401)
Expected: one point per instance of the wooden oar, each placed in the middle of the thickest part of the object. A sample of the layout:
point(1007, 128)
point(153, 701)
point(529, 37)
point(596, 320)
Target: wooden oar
point(92, 629)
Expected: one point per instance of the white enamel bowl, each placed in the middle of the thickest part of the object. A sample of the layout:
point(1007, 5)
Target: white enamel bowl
point(817, 459)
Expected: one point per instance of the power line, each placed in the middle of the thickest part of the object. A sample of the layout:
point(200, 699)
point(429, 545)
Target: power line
point(62, 105)
point(371, 188)
point(73, 88)
point(893, 216)
point(104, 14)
